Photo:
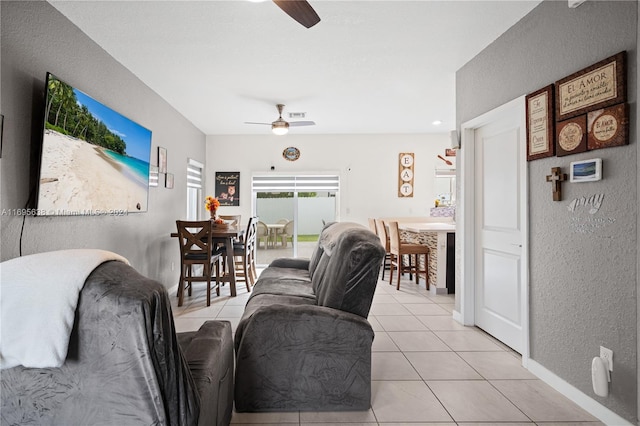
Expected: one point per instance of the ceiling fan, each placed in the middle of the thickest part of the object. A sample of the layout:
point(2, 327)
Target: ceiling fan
point(280, 126)
point(300, 10)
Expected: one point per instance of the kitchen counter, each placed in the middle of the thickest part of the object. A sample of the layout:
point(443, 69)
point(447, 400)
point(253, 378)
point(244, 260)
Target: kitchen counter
point(428, 226)
point(440, 238)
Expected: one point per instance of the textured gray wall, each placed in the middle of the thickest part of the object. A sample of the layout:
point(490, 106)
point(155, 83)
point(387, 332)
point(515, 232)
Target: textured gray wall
point(36, 38)
point(582, 284)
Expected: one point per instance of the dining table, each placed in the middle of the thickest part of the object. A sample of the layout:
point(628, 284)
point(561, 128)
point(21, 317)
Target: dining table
point(274, 229)
point(226, 236)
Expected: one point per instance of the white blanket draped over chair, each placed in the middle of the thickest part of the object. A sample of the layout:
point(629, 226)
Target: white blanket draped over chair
point(38, 299)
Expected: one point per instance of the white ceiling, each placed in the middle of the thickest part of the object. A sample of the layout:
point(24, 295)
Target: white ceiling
point(367, 67)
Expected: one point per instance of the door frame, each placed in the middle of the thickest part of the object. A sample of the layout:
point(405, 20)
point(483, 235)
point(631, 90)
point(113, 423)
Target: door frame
point(465, 224)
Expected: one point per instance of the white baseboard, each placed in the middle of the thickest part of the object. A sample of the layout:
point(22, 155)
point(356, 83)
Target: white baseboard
point(173, 289)
point(457, 316)
point(587, 403)
point(437, 290)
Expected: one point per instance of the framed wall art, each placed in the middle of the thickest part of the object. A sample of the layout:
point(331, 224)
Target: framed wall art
point(571, 136)
point(162, 160)
point(600, 85)
point(608, 127)
point(168, 183)
point(540, 123)
point(405, 174)
point(228, 188)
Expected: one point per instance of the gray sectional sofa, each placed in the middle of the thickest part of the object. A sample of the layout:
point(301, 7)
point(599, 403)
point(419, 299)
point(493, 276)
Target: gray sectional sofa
point(304, 342)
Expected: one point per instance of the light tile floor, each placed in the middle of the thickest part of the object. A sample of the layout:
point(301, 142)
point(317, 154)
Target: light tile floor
point(426, 368)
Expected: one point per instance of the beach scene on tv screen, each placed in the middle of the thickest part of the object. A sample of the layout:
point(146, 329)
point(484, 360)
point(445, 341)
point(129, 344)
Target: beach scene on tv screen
point(94, 160)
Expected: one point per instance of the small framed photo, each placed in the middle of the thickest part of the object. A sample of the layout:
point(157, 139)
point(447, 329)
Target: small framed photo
point(168, 181)
point(162, 159)
point(586, 171)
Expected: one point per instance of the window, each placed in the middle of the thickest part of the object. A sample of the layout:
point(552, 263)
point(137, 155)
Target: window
point(292, 208)
point(194, 189)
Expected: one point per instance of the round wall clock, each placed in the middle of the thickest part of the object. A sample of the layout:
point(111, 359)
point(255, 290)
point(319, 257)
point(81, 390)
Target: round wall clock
point(291, 153)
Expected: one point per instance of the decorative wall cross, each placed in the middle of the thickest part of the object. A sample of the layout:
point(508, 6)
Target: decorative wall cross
point(555, 178)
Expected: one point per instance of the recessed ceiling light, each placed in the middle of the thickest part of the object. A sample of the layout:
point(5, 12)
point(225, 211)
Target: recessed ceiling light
point(437, 123)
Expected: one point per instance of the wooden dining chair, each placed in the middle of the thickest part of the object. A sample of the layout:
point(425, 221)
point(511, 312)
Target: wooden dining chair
point(384, 240)
point(244, 255)
point(372, 225)
point(233, 219)
point(251, 246)
point(197, 248)
point(399, 248)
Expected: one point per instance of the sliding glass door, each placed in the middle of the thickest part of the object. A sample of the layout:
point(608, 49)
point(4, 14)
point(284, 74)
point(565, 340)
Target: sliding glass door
point(276, 214)
point(292, 211)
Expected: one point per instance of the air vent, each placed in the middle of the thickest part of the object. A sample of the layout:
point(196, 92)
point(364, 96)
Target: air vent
point(297, 114)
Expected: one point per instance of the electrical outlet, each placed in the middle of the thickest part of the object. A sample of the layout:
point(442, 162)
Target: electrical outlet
point(608, 355)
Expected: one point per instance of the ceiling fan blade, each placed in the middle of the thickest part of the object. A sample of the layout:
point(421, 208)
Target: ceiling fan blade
point(301, 123)
point(250, 122)
point(300, 10)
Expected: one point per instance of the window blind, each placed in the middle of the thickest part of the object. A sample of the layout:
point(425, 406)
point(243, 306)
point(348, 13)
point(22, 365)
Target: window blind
point(194, 174)
point(301, 183)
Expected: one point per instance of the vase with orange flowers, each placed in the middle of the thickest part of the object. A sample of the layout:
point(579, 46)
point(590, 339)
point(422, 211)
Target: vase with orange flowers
point(212, 204)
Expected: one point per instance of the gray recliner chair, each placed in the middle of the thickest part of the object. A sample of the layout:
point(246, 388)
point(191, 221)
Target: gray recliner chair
point(304, 342)
point(126, 365)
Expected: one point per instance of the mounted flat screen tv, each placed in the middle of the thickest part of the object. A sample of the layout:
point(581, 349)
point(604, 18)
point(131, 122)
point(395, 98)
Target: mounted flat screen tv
point(94, 161)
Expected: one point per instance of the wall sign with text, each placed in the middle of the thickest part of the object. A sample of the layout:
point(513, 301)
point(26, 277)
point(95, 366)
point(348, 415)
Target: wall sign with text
point(539, 110)
point(599, 85)
point(608, 127)
point(405, 174)
point(571, 136)
point(590, 111)
point(228, 188)
point(594, 99)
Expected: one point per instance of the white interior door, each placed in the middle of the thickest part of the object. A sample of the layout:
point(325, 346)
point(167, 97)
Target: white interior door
point(499, 212)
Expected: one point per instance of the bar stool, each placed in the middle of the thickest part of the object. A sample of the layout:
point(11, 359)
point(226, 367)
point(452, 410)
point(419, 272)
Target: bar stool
point(398, 248)
point(384, 240)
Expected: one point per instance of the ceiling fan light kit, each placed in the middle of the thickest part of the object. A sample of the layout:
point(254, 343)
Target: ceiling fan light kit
point(280, 126)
